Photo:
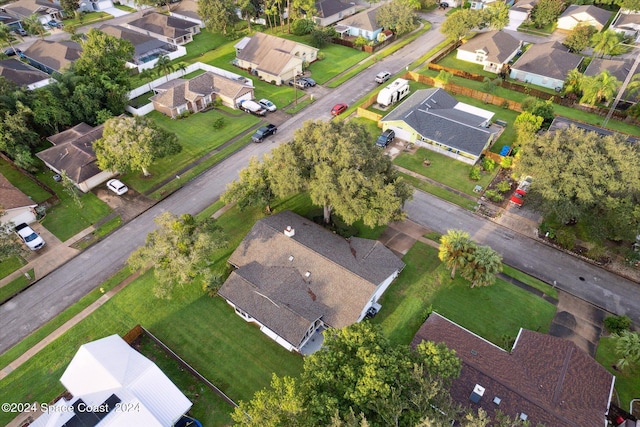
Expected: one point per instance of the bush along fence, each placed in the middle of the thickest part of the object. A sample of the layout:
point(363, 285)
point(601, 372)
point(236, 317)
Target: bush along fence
point(366, 48)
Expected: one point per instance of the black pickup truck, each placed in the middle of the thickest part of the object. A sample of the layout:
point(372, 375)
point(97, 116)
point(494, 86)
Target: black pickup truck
point(264, 132)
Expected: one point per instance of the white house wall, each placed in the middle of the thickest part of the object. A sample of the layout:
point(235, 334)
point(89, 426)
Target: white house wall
point(464, 55)
point(19, 215)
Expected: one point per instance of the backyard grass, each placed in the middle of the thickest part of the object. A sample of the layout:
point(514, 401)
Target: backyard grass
point(496, 312)
point(446, 170)
point(531, 281)
point(197, 137)
point(10, 265)
point(450, 61)
point(66, 219)
point(627, 383)
point(23, 183)
point(15, 285)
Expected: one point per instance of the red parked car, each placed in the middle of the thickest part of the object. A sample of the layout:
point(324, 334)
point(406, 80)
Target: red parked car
point(338, 109)
point(518, 197)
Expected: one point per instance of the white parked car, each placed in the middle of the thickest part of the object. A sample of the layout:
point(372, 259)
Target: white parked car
point(117, 186)
point(268, 105)
point(29, 237)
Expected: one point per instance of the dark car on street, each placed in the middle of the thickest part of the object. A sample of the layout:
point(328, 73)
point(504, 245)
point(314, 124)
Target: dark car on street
point(264, 132)
point(386, 138)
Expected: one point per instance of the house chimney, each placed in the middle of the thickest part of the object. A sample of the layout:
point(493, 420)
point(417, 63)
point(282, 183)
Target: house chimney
point(289, 231)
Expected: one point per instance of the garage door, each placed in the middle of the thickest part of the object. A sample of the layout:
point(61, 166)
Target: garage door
point(405, 135)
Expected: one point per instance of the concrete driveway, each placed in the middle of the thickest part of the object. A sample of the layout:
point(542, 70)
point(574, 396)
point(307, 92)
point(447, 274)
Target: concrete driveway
point(578, 321)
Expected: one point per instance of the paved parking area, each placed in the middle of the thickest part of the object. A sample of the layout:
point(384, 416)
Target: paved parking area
point(128, 206)
point(578, 321)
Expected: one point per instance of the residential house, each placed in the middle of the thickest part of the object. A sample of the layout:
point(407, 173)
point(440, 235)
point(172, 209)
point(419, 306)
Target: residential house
point(23, 75)
point(628, 23)
point(294, 278)
point(52, 56)
point(576, 15)
point(10, 21)
point(545, 64)
point(271, 58)
point(46, 10)
point(188, 10)
point(519, 13)
point(493, 50)
point(433, 119)
point(166, 28)
point(112, 384)
point(560, 122)
point(15, 206)
point(73, 153)
point(331, 11)
point(147, 49)
point(363, 24)
point(543, 379)
point(178, 96)
point(620, 69)
point(480, 4)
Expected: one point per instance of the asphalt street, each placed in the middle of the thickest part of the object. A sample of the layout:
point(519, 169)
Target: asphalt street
point(66, 285)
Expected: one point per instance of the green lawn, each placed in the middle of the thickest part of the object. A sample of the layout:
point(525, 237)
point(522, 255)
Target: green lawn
point(10, 265)
point(87, 18)
point(23, 183)
point(15, 285)
point(493, 312)
point(627, 383)
point(66, 219)
point(450, 61)
point(531, 281)
point(197, 137)
point(446, 170)
point(440, 192)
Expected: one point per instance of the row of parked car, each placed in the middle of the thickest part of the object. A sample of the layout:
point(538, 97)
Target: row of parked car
point(302, 82)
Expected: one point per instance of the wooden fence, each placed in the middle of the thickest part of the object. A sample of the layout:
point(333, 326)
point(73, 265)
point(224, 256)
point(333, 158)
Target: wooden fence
point(365, 48)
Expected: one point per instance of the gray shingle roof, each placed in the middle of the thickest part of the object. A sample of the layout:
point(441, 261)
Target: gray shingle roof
point(269, 53)
point(548, 378)
point(439, 117)
point(343, 275)
point(141, 42)
point(56, 55)
point(327, 8)
point(548, 59)
point(20, 73)
point(187, 8)
point(365, 20)
point(524, 5)
point(168, 26)
point(628, 21)
point(24, 8)
point(599, 15)
point(498, 45)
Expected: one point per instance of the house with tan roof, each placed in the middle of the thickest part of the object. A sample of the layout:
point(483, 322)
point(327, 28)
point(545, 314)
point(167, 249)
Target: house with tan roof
point(293, 278)
point(52, 56)
point(23, 75)
point(166, 28)
point(545, 64)
point(331, 11)
point(363, 24)
point(576, 15)
point(493, 50)
point(188, 10)
point(271, 58)
point(73, 153)
point(18, 208)
point(628, 23)
point(178, 96)
point(543, 379)
point(46, 10)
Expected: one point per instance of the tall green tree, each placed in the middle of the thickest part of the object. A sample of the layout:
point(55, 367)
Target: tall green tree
point(132, 144)
point(627, 349)
point(179, 250)
point(582, 176)
point(9, 245)
point(456, 249)
point(580, 38)
point(17, 137)
point(526, 126)
point(546, 11)
point(103, 58)
point(70, 6)
point(164, 66)
point(483, 266)
point(600, 88)
point(606, 43)
point(573, 82)
point(496, 15)
point(253, 187)
point(218, 15)
point(6, 36)
point(49, 111)
point(460, 24)
point(33, 25)
point(342, 170)
point(398, 15)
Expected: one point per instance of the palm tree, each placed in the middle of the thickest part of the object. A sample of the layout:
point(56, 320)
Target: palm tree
point(573, 82)
point(455, 249)
point(33, 25)
point(633, 87)
point(595, 89)
point(6, 36)
point(164, 66)
point(605, 42)
point(483, 266)
point(627, 348)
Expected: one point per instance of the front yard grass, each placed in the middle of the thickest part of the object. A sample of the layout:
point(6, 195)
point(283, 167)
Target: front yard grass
point(446, 170)
point(15, 285)
point(627, 382)
point(495, 312)
point(10, 265)
point(23, 183)
point(66, 219)
point(440, 192)
point(197, 137)
point(531, 281)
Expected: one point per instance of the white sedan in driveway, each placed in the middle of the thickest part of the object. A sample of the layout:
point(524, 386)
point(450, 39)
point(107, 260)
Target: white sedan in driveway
point(117, 186)
point(267, 105)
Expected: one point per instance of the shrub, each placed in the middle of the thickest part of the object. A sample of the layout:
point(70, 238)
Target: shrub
point(219, 123)
point(503, 186)
point(360, 41)
point(546, 228)
point(617, 324)
point(494, 196)
point(474, 173)
point(506, 162)
point(565, 239)
point(300, 27)
point(488, 164)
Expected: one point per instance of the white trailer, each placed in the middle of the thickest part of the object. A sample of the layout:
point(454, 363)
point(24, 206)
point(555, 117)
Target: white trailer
point(393, 93)
point(253, 108)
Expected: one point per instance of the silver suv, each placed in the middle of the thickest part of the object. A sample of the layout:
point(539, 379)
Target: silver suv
point(382, 77)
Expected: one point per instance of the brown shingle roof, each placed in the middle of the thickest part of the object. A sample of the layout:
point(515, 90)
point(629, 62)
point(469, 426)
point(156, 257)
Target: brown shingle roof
point(187, 8)
point(168, 26)
point(11, 197)
point(269, 53)
point(343, 275)
point(177, 92)
point(73, 152)
point(24, 8)
point(548, 378)
point(548, 59)
point(619, 69)
point(498, 45)
point(56, 55)
point(327, 8)
point(20, 73)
